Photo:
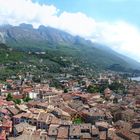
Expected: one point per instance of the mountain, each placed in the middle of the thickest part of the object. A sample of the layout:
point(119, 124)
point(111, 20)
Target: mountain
point(59, 44)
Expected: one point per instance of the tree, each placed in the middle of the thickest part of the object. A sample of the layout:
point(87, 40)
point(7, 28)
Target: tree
point(78, 120)
point(27, 99)
point(9, 97)
point(65, 90)
point(117, 87)
point(17, 101)
point(9, 87)
point(115, 100)
point(36, 79)
point(55, 83)
point(92, 89)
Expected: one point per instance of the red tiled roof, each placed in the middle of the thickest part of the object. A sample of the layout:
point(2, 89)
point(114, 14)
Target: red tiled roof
point(18, 96)
point(3, 135)
point(62, 132)
point(5, 111)
point(9, 80)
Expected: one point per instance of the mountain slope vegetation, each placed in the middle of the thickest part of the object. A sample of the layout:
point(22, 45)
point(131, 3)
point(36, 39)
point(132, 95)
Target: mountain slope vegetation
point(64, 49)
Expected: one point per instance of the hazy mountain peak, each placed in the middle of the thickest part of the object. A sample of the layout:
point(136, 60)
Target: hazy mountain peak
point(27, 26)
point(42, 27)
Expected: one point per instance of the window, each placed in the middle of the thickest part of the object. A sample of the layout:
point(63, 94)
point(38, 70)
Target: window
point(85, 131)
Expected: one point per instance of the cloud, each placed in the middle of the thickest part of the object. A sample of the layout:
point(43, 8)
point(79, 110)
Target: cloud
point(123, 37)
point(19, 11)
point(120, 35)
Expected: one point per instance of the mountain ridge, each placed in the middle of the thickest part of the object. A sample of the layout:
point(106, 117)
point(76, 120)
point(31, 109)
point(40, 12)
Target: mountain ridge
point(25, 37)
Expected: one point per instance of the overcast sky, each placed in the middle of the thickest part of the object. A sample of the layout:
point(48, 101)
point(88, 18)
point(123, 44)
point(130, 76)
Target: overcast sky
point(115, 23)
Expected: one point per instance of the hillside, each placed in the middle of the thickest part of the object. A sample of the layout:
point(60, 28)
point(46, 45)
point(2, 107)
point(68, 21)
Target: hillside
point(61, 45)
point(14, 62)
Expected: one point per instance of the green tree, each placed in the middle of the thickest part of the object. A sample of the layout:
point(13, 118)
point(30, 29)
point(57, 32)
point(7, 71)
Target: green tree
point(65, 90)
point(55, 83)
point(36, 79)
point(9, 87)
point(92, 89)
point(78, 120)
point(9, 97)
point(117, 87)
point(27, 99)
point(17, 101)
